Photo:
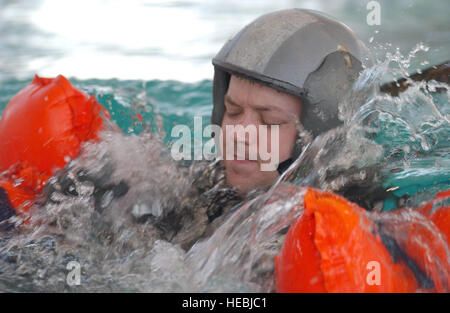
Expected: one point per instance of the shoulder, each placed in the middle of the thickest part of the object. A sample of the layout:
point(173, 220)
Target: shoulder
point(205, 175)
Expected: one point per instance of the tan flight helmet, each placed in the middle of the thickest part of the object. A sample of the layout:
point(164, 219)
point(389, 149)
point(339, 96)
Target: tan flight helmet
point(301, 52)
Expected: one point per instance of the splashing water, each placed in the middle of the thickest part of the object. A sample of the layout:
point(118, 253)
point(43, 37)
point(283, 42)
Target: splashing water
point(383, 137)
point(408, 134)
point(385, 142)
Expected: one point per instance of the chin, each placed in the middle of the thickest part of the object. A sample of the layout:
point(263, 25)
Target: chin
point(245, 182)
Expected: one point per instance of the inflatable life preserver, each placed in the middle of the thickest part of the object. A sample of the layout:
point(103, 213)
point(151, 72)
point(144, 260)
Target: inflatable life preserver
point(41, 129)
point(438, 211)
point(337, 246)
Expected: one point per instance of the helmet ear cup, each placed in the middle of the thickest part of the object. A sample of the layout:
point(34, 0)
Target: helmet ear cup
point(326, 88)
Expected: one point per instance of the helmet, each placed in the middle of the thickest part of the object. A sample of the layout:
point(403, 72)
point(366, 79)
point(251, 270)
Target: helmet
point(301, 52)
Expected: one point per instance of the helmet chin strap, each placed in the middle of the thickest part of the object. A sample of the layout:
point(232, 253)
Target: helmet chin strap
point(284, 165)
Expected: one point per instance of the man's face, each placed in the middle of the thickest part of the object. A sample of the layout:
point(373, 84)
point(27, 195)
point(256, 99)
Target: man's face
point(248, 103)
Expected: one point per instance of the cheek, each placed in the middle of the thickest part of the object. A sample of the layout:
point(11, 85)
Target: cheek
point(224, 140)
point(223, 133)
point(287, 137)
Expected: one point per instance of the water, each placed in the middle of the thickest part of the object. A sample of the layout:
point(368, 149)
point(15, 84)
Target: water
point(118, 253)
point(176, 39)
point(415, 159)
point(395, 141)
point(386, 142)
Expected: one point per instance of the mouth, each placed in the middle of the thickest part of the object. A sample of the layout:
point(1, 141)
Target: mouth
point(243, 161)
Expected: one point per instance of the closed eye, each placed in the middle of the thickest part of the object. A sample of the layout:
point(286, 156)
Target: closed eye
point(232, 109)
point(270, 121)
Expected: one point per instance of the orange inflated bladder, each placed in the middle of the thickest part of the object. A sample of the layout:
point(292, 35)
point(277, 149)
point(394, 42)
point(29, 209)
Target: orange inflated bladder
point(41, 130)
point(337, 246)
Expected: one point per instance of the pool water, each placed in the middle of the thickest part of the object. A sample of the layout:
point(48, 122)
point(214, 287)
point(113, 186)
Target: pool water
point(386, 142)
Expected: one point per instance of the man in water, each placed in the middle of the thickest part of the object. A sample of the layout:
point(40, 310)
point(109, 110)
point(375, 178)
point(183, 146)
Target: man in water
point(287, 70)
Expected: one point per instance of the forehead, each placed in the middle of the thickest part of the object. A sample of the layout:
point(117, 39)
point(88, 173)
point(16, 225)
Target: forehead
point(247, 93)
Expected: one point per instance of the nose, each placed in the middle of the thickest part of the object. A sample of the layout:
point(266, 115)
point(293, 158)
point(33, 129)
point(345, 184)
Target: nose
point(248, 121)
point(246, 141)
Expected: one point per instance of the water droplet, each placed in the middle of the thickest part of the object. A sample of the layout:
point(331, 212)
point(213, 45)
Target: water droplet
point(406, 148)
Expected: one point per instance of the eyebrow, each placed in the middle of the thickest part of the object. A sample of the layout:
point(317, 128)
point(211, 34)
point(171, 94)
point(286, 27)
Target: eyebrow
point(230, 100)
point(257, 107)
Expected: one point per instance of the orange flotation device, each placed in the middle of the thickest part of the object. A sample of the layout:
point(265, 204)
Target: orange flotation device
point(337, 246)
point(41, 130)
point(438, 211)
